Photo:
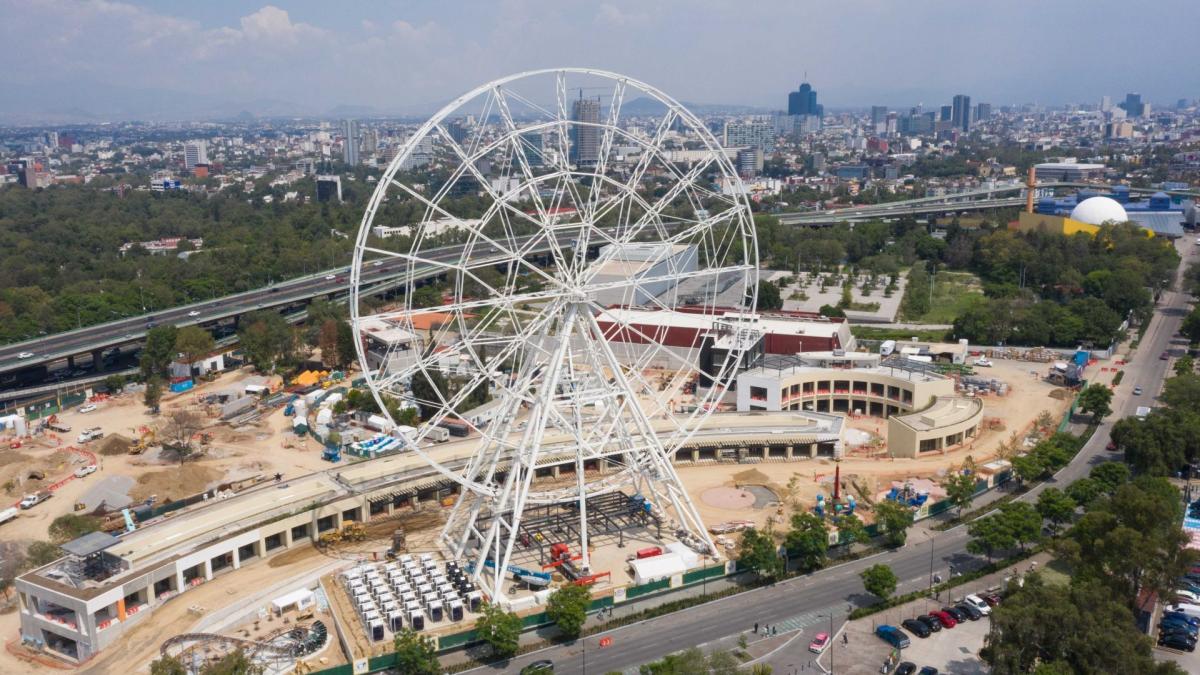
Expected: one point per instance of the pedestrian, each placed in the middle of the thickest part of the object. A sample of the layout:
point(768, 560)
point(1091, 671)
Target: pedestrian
point(774, 630)
point(756, 628)
point(845, 638)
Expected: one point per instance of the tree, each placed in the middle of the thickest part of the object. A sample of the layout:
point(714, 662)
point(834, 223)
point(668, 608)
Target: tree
point(501, 630)
point(1023, 521)
point(167, 665)
point(327, 340)
point(988, 535)
point(1191, 325)
point(807, 541)
point(267, 339)
point(158, 352)
point(346, 352)
point(1185, 365)
point(1109, 476)
point(895, 519)
point(768, 296)
point(567, 608)
point(757, 554)
point(40, 553)
point(960, 485)
point(1084, 491)
point(426, 296)
point(1028, 467)
point(851, 529)
point(193, 343)
point(1056, 506)
point(1182, 392)
point(72, 526)
point(1095, 399)
point(233, 663)
point(415, 653)
point(181, 427)
point(428, 389)
point(879, 580)
point(153, 393)
point(114, 383)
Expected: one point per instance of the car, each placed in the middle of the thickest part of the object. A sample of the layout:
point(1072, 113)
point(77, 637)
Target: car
point(85, 471)
point(1188, 585)
point(916, 628)
point(928, 670)
point(1187, 596)
point(1111, 447)
point(1171, 632)
point(1137, 391)
point(893, 636)
point(1164, 356)
point(979, 604)
point(273, 289)
point(90, 407)
point(947, 620)
point(959, 616)
point(540, 667)
point(377, 263)
point(819, 643)
point(931, 623)
point(330, 277)
point(1177, 625)
point(1181, 616)
point(905, 668)
point(194, 313)
point(972, 613)
point(25, 355)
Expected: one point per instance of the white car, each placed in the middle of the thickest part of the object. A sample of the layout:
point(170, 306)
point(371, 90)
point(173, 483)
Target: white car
point(330, 277)
point(85, 471)
point(87, 408)
point(1187, 595)
point(25, 355)
point(983, 362)
point(194, 313)
point(377, 263)
point(979, 604)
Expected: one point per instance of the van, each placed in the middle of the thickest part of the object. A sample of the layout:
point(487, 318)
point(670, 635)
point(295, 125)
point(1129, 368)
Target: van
point(1186, 609)
point(892, 636)
point(887, 348)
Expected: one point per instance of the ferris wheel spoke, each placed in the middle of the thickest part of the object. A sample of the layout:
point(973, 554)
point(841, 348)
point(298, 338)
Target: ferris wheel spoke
point(654, 215)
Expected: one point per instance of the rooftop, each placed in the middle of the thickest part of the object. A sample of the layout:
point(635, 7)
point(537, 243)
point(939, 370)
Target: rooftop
point(945, 411)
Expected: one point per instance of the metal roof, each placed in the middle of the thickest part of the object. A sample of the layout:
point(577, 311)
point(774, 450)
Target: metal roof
point(1162, 223)
point(90, 543)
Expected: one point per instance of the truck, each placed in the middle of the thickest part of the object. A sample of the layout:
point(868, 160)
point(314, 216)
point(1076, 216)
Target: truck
point(1141, 412)
point(90, 435)
point(30, 501)
point(456, 428)
point(9, 514)
point(54, 425)
point(436, 434)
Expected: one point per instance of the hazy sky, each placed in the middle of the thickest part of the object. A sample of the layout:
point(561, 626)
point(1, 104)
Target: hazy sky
point(314, 55)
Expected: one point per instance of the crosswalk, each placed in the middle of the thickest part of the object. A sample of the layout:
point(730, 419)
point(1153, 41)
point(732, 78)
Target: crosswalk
point(802, 621)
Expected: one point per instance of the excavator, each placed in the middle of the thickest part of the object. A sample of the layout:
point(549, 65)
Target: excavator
point(143, 443)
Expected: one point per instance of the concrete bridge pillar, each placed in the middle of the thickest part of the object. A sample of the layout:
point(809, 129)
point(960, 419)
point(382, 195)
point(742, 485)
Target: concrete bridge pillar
point(97, 360)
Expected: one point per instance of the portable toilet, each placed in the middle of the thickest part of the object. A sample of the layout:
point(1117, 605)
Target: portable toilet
point(456, 610)
point(375, 630)
point(435, 610)
point(395, 621)
point(474, 600)
point(416, 620)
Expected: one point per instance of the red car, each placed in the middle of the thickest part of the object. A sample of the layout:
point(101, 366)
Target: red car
point(990, 598)
point(945, 618)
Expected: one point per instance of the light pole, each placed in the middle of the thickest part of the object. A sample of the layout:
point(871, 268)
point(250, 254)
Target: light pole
point(931, 539)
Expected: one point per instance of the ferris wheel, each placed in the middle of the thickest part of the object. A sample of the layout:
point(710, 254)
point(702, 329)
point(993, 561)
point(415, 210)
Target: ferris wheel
point(569, 253)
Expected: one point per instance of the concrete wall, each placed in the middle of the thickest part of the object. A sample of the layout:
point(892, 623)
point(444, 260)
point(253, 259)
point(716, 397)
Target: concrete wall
point(837, 390)
point(905, 439)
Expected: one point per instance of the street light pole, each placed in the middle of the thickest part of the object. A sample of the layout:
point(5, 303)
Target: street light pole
point(831, 643)
point(931, 538)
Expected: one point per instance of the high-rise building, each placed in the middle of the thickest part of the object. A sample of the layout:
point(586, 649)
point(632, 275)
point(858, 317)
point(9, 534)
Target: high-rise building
point(1105, 103)
point(803, 101)
point(752, 134)
point(350, 142)
point(585, 140)
point(329, 188)
point(532, 147)
point(749, 162)
point(946, 113)
point(195, 153)
point(878, 114)
point(1133, 105)
point(983, 111)
point(961, 112)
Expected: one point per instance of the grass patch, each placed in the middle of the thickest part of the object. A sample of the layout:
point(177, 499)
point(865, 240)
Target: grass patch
point(1118, 377)
point(875, 333)
point(953, 294)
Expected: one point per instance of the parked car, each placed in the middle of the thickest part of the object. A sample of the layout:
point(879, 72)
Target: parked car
point(932, 624)
point(959, 616)
point(1180, 641)
point(947, 620)
point(1180, 615)
point(1187, 596)
point(1111, 447)
point(1164, 356)
point(893, 636)
point(972, 613)
point(979, 604)
point(90, 407)
point(1178, 624)
point(992, 599)
point(905, 668)
point(928, 670)
point(85, 471)
point(819, 643)
point(916, 628)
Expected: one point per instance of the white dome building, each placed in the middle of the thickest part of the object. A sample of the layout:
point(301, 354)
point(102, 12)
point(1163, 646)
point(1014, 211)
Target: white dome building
point(1099, 210)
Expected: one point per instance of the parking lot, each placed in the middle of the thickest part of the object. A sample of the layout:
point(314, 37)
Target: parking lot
point(951, 650)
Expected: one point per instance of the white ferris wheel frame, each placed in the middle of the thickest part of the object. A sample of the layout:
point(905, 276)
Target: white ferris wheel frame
point(484, 524)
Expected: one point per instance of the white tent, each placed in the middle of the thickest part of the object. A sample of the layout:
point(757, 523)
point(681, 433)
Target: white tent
point(302, 599)
point(658, 567)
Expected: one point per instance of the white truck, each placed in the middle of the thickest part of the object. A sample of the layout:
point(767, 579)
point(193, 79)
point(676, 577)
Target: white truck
point(30, 501)
point(1141, 412)
point(8, 514)
point(90, 435)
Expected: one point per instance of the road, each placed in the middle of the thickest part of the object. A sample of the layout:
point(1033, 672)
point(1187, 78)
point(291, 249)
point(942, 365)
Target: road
point(837, 587)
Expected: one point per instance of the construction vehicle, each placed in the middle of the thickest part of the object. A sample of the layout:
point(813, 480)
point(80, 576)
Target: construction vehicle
point(143, 443)
point(332, 454)
point(54, 425)
point(354, 531)
point(329, 539)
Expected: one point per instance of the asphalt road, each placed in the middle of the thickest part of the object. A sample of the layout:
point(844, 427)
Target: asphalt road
point(838, 587)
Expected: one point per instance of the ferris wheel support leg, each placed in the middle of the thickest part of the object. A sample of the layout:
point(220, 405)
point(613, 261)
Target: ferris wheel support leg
point(662, 471)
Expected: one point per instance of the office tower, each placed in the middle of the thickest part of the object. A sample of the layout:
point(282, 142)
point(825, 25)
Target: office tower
point(194, 153)
point(52, 140)
point(1105, 103)
point(1133, 105)
point(961, 112)
point(803, 101)
point(946, 113)
point(983, 111)
point(878, 114)
point(350, 142)
point(585, 146)
point(458, 131)
point(532, 147)
point(749, 162)
point(750, 134)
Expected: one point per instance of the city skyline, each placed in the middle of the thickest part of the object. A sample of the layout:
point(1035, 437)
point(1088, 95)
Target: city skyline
point(306, 59)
